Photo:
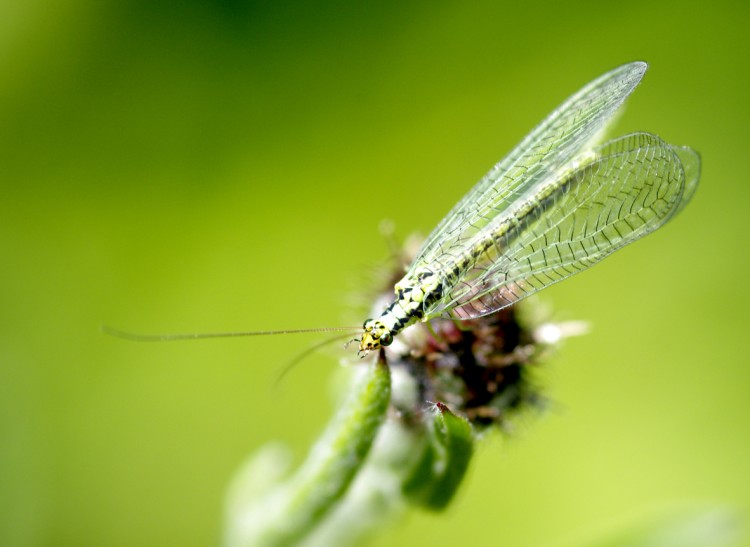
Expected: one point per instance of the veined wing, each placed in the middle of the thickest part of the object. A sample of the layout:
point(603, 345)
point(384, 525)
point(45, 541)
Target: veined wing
point(631, 187)
point(552, 144)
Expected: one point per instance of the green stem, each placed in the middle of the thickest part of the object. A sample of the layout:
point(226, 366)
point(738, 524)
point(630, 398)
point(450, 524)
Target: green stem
point(292, 511)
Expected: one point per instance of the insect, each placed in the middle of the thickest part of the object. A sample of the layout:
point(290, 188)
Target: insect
point(557, 204)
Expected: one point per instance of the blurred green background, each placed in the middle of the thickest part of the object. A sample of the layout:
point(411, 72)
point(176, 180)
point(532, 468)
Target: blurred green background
point(204, 166)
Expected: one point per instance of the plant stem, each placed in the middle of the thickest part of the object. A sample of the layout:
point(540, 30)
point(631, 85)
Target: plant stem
point(292, 510)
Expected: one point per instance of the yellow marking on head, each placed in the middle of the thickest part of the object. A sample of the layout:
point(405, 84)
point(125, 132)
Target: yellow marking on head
point(374, 335)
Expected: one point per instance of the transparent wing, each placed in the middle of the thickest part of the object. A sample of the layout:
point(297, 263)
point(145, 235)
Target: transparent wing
point(691, 165)
point(552, 144)
point(633, 186)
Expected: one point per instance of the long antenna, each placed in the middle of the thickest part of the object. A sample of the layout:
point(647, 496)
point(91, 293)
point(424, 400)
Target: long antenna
point(201, 336)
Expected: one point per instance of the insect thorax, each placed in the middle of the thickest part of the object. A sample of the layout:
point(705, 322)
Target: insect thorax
point(416, 296)
point(414, 293)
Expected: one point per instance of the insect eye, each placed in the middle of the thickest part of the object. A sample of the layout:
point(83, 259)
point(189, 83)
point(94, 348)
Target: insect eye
point(386, 339)
point(364, 325)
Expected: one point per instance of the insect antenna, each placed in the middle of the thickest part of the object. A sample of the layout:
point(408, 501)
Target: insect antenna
point(135, 337)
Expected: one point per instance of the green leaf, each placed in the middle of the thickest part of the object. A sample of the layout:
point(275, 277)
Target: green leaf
point(676, 525)
point(437, 476)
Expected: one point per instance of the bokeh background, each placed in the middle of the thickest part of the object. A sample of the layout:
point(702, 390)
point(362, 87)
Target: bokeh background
point(218, 165)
